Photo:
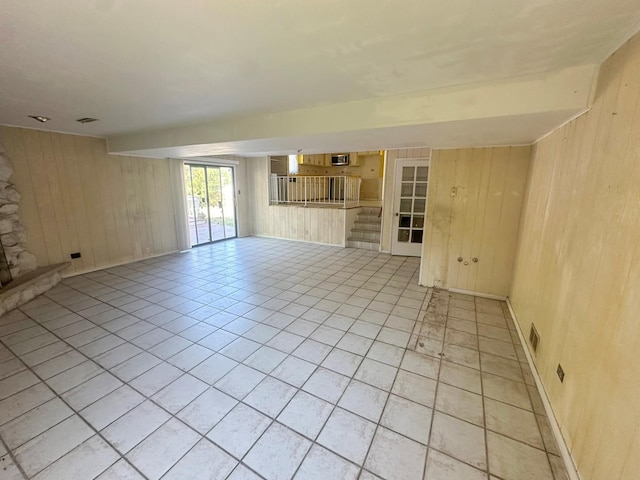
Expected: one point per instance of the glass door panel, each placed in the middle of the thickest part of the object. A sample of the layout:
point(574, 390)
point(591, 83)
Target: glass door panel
point(197, 197)
point(210, 203)
point(228, 201)
point(215, 203)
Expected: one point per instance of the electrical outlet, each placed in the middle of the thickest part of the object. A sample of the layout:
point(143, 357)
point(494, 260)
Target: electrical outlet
point(76, 255)
point(560, 373)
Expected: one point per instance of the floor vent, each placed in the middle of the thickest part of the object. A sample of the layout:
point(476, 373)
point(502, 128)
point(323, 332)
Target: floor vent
point(534, 338)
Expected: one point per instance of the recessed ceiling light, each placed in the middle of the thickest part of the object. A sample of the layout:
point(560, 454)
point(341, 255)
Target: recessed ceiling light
point(40, 118)
point(86, 120)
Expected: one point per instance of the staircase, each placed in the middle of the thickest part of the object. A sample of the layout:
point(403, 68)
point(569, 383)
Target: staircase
point(366, 229)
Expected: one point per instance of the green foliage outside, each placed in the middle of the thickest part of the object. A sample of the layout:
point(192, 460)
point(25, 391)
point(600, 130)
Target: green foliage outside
point(196, 181)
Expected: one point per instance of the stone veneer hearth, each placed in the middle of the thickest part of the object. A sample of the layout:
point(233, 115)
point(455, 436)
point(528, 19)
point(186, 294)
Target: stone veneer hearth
point(12, 234)
point(28, 281)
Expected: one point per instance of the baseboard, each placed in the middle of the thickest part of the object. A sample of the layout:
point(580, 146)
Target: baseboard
point(478, 294)
point(119, 264)
point(302, 241)
point(562, 446)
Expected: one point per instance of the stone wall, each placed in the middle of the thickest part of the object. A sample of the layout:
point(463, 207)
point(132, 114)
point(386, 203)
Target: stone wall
point(12, 234)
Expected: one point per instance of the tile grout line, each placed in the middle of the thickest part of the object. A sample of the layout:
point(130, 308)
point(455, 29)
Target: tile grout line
point(106, 370)
point(484, 402)
point(13, 458)
point(435, 395)
point(75, 413)
point(314, 441)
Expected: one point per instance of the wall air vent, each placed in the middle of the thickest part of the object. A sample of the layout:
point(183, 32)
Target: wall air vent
point(534, 338)
point(86, 120)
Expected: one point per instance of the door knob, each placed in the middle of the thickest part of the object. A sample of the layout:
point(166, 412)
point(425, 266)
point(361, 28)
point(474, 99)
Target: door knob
point(396, 214)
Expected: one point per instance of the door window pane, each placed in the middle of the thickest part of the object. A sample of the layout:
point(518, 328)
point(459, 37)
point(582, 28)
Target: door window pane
point(421, 190)
point(416, 236)
point(406, 190)
point(418, 206)
point(405, 205)
point(403, 235)
point(405, 221)
point(408, 174)
point(422, 174)
point(418, 221)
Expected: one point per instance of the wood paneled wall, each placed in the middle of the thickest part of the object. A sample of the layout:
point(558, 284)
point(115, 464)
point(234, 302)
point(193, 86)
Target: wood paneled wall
point(78, 198)
point(478, 219)
point(319, 225)
point(577, 272)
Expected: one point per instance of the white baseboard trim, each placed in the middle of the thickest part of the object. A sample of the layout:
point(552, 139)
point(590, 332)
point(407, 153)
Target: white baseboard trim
point(119, 264)
point(302, 241)
point(562, 446)
point(478, 294)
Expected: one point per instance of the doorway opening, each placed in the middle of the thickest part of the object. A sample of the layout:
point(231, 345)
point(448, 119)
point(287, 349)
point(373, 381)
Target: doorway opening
point(211, 204)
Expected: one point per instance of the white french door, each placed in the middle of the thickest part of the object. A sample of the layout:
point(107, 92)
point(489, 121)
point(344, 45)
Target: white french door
point(409, 206)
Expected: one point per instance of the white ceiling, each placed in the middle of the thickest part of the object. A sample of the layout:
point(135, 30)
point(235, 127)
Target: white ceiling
point(146, 64)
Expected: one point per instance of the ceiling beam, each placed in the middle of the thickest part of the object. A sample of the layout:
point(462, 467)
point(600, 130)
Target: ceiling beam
point(553, 96)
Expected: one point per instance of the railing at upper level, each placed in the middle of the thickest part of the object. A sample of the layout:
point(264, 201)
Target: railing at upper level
point(340, 191)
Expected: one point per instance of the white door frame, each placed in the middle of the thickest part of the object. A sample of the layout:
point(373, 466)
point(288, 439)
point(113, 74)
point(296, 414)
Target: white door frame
point(396, 247)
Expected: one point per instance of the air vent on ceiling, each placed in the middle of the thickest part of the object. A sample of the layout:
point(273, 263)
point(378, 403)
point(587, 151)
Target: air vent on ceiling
point(534, 338)
point(39, 118)
point(86, 120)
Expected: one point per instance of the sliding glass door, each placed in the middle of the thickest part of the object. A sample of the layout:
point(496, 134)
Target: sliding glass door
point(210, 203)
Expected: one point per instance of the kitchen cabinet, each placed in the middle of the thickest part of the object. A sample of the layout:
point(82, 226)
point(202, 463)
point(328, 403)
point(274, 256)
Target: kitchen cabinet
point(317, 160)
point(324, 159)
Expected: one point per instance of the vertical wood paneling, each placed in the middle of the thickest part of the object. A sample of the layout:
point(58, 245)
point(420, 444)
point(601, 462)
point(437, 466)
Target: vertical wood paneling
point(577, 272)
point(485, 174)
point(42, 188)
point(104, 190)
point(68, 236)
point(438, 220)
point(481, 220)
point(318, 225)
point(80, 219)
point(77, 197)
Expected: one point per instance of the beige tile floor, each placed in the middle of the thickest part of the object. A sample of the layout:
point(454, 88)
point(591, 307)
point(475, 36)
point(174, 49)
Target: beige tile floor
point(260, 358)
